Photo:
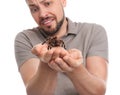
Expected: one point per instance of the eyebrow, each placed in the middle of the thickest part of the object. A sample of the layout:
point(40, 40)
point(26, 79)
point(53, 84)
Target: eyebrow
point(42, 1)
point(32, 4)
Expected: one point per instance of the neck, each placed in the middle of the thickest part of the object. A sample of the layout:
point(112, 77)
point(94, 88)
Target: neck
point(63, 29)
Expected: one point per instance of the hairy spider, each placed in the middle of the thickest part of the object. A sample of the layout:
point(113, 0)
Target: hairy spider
point(54, 42)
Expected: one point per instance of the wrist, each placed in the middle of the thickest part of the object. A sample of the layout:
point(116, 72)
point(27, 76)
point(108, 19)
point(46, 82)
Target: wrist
point(75, 71)
point(44, 68)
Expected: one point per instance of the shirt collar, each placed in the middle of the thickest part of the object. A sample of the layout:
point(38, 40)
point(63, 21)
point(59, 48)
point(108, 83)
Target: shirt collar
point(72, 27)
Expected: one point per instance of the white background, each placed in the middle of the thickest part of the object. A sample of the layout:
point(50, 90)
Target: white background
point(15, 16)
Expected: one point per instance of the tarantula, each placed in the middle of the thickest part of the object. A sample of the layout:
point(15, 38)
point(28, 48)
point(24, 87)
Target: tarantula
point(54, 42)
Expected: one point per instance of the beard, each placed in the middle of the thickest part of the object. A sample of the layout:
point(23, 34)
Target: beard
point(55, 30)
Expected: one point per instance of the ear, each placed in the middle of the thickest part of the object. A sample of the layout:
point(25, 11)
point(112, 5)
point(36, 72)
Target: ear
point(63, 3)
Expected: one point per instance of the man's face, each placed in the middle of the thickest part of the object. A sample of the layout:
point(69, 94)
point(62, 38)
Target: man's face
point(48, 14)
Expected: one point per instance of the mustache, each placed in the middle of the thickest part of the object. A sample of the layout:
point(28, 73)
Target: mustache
point(43, 18)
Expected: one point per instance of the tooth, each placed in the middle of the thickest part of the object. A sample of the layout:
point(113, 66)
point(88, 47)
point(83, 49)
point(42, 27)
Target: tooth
point(45, 22)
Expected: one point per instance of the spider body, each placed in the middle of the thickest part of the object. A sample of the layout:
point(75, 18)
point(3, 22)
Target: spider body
point(54, 42)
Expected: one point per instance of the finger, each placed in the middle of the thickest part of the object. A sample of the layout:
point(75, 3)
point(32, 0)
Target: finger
point(56, 53)
point(48, 56)
point(36, 49)
point(74, 53)
point(64, 66)
point(63, 53)
point(73, 62)
point(40, 51)
point(55, 67)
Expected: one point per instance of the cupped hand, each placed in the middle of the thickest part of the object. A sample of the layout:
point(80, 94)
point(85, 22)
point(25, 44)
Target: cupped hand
point(42, 52)
point(58, 58)
point(65, 61)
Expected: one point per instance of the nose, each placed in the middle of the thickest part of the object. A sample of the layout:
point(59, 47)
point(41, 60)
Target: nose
point(43, 12)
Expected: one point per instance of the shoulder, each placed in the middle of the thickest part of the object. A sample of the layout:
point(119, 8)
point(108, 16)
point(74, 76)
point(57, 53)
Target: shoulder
point(28, 36)
point(84, 27)
point(91, 28)
point(27, 33)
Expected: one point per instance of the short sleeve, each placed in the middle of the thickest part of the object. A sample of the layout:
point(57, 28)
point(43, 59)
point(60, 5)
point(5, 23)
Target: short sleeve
point(23, 48)
point(99, 42)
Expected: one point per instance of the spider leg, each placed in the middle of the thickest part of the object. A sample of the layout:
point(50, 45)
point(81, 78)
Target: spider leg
point(49, 47)
point(43, 42)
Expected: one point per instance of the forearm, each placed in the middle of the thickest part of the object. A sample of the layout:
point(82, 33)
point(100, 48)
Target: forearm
point(43, 83)
point(86, 83)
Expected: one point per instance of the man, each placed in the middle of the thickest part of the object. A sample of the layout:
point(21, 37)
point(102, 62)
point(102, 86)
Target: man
point(78, 69)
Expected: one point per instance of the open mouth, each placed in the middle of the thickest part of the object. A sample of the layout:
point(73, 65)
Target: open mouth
point(47, 21)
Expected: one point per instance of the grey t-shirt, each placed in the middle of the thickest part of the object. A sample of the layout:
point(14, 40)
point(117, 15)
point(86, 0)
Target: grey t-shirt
point(89, 38)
